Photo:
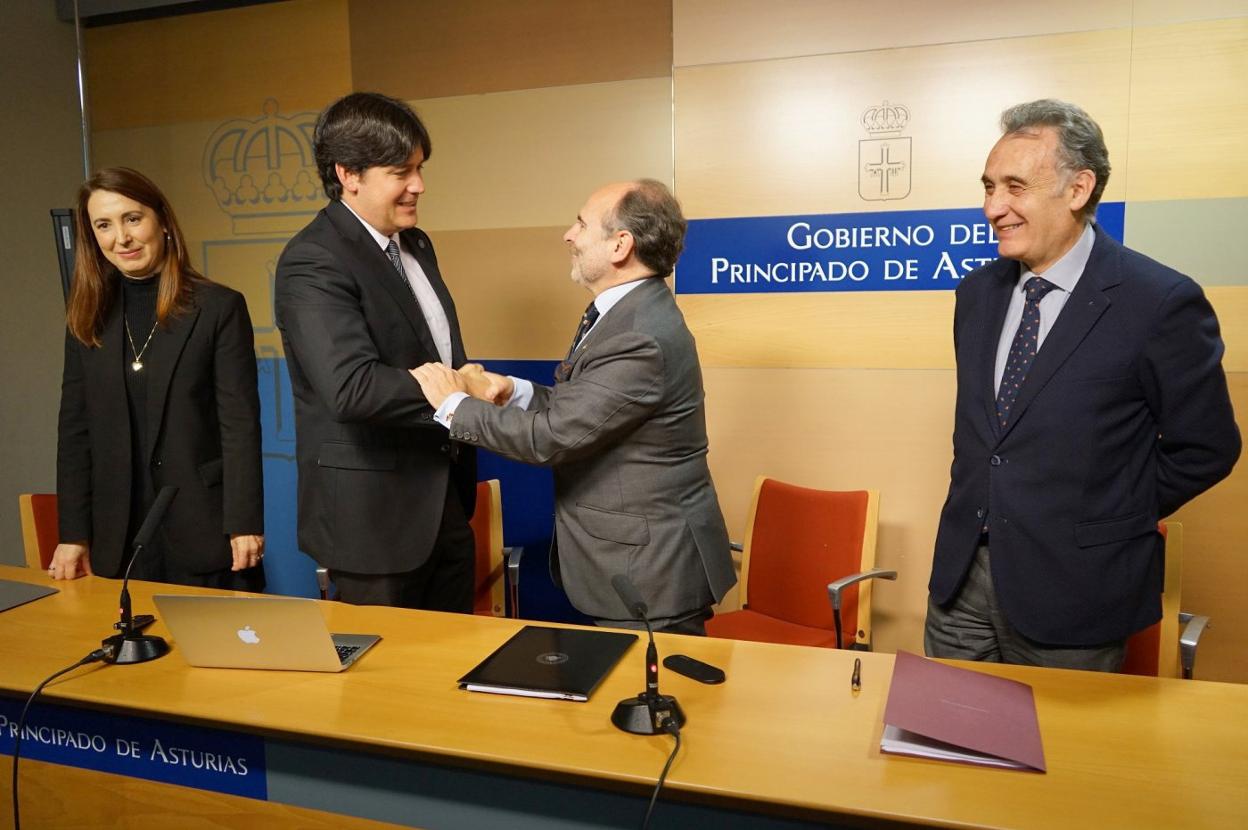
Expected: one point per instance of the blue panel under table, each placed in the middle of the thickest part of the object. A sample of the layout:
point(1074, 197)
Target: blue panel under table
point(409, 791)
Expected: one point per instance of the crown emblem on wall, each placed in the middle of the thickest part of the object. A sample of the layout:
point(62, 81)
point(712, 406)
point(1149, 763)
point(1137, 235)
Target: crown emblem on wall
point(885, 118)
point(262, 172)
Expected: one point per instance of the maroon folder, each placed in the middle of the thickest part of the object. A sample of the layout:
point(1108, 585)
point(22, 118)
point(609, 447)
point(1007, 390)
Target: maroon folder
point(947, 713)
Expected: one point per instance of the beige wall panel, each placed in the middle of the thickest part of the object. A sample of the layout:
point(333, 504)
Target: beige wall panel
point(520, 159)
point(725, 31)
point(1230, 302)
point(781, 137)
point(1189, 111)
point(434, 48)
point(891, 430)
point(216, 64)
point(844, 430)
point(1155, 12)
point(868, 329)
point(1215, 581)
point(513, 291)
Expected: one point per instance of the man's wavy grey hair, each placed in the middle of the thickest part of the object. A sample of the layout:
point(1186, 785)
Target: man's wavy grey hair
point(1080, 143)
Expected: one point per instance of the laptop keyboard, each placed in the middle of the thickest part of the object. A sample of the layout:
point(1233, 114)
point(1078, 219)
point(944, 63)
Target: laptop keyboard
point(345, 652)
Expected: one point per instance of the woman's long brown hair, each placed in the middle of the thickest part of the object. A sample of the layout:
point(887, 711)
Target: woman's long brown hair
point(95, 278)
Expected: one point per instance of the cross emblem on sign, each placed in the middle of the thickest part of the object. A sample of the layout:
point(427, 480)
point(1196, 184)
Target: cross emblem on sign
point(886, 169)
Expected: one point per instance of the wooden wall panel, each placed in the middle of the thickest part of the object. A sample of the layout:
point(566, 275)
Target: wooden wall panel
point(869, 329)
point(730, 31)
point(513, 291)
point(781, 137)
point(211, 65)
point(1189, 112)
point(1215, 581)
point(520, 159)
point(435, 48)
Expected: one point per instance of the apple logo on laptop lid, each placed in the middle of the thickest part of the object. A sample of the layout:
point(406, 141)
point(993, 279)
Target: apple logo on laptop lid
point(248, 636)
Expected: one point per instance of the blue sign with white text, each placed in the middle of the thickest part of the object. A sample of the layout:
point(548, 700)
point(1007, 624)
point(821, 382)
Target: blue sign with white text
point(912, 250)
point(191, 756)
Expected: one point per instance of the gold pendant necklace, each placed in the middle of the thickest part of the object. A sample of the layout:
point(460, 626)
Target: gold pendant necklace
point(137, 365)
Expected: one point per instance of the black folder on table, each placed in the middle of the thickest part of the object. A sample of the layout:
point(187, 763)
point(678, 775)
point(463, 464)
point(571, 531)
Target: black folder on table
point(560, 663)
point(13, 594)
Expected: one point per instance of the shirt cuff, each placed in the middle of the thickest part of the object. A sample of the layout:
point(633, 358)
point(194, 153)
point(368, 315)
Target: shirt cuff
point(447, 410)
point(521, 392)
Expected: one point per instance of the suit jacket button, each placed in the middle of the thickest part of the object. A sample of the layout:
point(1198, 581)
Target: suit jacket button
point(445, 448)
point(979, 514)
point(995, 461)
point(158, 462)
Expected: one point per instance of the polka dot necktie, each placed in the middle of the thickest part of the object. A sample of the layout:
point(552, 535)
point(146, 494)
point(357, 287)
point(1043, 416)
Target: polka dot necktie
point(1023, 349)
point(564, 370)
point(392, 251)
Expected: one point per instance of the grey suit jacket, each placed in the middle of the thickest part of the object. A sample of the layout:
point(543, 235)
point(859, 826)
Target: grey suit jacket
point(626, 436)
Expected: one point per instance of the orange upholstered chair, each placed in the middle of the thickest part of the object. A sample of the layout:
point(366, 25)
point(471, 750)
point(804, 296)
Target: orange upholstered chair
point(1168, 647)
point(487, 528)
point(807, 563)
point(40, 534)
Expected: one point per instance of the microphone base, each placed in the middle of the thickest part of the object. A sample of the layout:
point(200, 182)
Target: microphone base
point(632, 714)
point(134, 648)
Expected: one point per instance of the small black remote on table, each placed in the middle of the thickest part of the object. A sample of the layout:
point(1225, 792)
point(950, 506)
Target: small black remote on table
point(694, 669)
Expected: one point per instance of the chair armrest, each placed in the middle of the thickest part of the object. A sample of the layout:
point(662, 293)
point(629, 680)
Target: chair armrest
point(737, 546)
point(511, 561)
point(1194, 626)
point(835, 588)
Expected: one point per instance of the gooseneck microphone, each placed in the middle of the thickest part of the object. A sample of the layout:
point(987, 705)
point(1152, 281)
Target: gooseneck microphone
point(129, 646)
point(649, 713)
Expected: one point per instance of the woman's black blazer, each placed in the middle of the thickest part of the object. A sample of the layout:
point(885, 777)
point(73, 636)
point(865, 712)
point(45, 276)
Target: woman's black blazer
point(203, 434)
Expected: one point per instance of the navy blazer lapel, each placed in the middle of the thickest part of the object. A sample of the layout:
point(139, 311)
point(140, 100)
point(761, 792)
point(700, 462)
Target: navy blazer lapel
point(160, 360)
point(1082, 310)
point(996, 304)
point(376, 265)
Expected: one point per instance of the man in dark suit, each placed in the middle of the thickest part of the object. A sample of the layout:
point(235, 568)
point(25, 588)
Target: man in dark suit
point(384, 496)
point(624, 426)
point(1091, 403)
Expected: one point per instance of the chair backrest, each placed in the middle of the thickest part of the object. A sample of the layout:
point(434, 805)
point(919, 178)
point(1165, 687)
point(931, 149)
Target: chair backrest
point(40, 533)
point(797, 541)
point(1154, 652)
point(489, 586)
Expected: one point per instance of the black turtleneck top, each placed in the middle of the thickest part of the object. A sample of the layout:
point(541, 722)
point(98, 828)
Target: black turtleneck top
point(138, 298)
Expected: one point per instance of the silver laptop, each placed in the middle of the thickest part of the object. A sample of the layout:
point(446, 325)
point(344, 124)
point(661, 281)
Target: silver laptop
point(258, 633)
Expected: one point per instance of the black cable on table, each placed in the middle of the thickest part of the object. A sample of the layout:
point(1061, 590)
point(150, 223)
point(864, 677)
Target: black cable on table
point(94, 657)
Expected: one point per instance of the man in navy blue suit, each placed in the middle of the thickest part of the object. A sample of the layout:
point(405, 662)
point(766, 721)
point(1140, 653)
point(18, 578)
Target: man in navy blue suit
point(1091, 403)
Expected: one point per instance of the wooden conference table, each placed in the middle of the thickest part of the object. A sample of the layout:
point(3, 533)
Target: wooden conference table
point(783, 743)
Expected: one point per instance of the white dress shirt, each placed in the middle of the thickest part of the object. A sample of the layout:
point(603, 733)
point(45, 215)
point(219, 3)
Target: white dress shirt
point(430, 306)
point(1065, 275)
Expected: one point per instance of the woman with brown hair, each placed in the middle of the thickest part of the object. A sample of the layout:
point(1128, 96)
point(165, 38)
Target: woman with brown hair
point(159, 389)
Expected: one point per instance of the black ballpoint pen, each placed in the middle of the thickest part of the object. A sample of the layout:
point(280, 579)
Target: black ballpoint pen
point(855, 680)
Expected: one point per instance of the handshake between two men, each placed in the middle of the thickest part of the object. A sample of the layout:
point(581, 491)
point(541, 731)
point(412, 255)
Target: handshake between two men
point(438, 382)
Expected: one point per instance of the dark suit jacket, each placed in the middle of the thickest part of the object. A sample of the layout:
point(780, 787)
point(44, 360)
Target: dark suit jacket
point(373, 465)
point(626, 436)
point(1123, 417)
point(203, 428)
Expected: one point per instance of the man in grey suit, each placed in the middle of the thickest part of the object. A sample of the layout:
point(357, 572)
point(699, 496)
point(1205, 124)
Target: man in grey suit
point(624, 426)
